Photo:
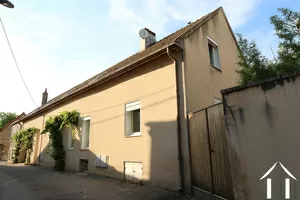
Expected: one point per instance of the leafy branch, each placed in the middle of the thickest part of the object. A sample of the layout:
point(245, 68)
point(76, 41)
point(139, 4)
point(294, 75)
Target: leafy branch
point(23, 140)
point(53, 127)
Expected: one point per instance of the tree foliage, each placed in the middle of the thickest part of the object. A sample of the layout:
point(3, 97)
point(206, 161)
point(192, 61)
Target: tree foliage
point(6, 117)
point(23, 140)
point(253, 66)
point(53, 127)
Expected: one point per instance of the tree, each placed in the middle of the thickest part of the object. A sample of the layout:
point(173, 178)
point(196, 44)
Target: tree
point(253, 66)
point(289, 35)
point(5, 118)
point(23, 140)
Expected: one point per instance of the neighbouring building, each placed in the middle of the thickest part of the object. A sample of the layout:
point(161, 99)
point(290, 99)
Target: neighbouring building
point(134, 115)
point(15, 127)
point(5, 138)
point(262, 123)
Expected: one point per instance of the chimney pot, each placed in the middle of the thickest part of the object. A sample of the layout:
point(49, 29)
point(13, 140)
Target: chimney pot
point(45, 97)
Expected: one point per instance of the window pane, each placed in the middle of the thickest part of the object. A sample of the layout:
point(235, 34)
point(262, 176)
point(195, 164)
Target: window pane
point(86, 133)
point(211, 54)
point(216, 57)
point(71, 139)
point(128, 123)
point(136, 121)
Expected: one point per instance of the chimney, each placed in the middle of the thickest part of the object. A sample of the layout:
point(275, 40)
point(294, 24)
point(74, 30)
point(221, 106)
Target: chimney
point(45, 97)
point(147, 38)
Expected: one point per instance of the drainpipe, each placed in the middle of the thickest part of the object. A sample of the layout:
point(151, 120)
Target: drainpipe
point(181, 175)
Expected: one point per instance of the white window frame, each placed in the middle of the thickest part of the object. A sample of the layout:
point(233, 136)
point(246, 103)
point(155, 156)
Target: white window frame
point(128, 108)
point(216, 54)
point(70, 138)
point(82, 132)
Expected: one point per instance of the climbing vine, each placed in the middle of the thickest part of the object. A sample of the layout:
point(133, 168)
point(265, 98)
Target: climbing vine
point(53, 127)
point(23, 140)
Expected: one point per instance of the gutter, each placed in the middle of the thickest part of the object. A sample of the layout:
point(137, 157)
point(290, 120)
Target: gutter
point(180, 160)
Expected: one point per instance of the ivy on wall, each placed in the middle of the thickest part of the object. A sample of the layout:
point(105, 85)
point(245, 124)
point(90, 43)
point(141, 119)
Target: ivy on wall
point(54, 126)
point(23, 140)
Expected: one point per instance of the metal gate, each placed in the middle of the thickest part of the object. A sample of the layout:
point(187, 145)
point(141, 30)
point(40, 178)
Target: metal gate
point(211, 175)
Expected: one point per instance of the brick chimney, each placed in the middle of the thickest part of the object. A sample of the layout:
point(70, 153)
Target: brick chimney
point(45, 97)
point(147, 38)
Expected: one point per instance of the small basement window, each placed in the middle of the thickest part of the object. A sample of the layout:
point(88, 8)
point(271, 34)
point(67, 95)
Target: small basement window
point(133, 119)
point(83, 165)
point(213, 53)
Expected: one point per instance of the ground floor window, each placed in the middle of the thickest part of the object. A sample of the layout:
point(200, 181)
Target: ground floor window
point(83, 165)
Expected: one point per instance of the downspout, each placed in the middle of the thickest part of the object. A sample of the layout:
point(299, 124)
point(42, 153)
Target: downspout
point(41, 141)
point(181, 175)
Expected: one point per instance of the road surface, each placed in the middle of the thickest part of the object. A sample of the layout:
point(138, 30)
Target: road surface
point(19, 182)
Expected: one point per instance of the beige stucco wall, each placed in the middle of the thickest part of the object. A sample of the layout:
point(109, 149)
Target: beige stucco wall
point(263, 125)
point(203, 82)
point(154, 85)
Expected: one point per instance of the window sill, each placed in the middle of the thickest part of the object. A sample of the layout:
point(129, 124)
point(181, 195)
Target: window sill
point(85, 149)
point(216, 68)
point(138, 134)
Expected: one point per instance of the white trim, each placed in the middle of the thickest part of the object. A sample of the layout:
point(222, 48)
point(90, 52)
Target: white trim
point(212, 41)
point(133, 103)
point(82, 132)
point(86, 118)
point(129, 107)
point(135, 134)
point(133, 106)
point(215, 53)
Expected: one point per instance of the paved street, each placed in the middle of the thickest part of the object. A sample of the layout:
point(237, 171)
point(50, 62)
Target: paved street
point(19, 182)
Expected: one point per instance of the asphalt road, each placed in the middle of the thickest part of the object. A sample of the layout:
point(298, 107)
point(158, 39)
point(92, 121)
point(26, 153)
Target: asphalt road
point(19, 182)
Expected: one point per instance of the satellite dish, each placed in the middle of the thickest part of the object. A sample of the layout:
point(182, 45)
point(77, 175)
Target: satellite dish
point(7, 3)
point(143, 33)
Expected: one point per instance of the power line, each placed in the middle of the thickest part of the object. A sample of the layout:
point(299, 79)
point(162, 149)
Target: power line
point(13, 55)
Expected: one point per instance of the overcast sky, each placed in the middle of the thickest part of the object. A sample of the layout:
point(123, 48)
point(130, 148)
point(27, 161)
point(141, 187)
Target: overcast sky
point(60, 43)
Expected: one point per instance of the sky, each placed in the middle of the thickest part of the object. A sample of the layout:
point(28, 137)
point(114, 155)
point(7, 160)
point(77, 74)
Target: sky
point(61, 43)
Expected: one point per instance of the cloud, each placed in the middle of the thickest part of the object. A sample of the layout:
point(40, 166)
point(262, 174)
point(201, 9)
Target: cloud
point(156, 14)
point(59, 49)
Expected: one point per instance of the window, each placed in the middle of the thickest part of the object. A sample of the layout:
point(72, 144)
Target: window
point(70, 139)
point(213, 54)
point(85, 142)
point(83, 165)
point(133, 119)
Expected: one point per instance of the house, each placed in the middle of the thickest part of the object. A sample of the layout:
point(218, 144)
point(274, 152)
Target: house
point(5, 135)
point(133, 115)
point(16, 126)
